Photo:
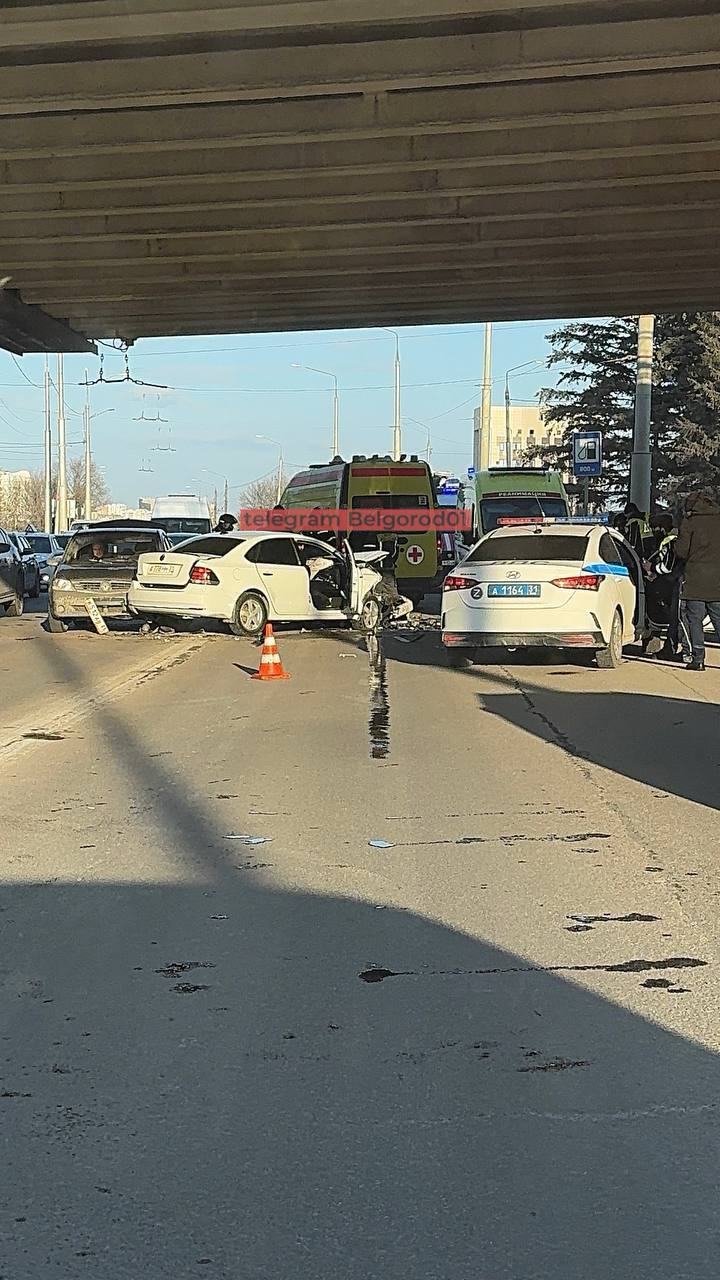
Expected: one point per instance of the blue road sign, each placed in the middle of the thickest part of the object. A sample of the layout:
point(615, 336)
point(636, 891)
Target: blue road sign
point(587, 453)
point(471, 473)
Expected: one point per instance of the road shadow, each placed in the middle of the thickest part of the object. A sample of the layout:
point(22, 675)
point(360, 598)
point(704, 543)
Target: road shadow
point(669, 743)
point(222, 1076)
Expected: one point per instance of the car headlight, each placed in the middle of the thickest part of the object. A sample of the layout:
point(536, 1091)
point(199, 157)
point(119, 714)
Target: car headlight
point(62, 584)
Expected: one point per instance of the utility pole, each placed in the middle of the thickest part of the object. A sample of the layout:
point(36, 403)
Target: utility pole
point(641, 461)
point(481, 452)
point(47, 439)
point(61, 511)
point(215, 506)
point(336, 420)
point(279, 489)
point(508, 441)
point(87, 509)
point(225, 497)
point(397, 434)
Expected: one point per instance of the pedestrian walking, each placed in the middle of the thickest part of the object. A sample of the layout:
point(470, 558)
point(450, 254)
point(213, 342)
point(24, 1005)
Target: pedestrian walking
point(698, 546)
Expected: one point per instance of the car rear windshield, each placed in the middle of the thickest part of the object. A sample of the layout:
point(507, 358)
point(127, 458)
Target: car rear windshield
point(110, 547)
point(531, 546)
point(218, 546)
point(391, 501)
point(181, 524)
point(503, 507)
point(39, 543)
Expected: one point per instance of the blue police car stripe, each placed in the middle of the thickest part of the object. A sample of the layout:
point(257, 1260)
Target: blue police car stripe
point(612, 570)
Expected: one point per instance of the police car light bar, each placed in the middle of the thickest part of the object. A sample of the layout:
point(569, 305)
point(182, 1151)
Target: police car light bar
point(507, 520)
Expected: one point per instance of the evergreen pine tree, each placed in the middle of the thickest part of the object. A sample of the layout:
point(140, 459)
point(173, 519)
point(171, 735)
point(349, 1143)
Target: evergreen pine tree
point(596, 392)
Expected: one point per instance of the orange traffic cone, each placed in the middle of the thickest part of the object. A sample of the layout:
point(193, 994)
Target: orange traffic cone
point(271, 668)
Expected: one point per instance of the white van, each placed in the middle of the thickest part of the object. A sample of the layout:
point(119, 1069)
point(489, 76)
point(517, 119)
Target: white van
point(181, 513)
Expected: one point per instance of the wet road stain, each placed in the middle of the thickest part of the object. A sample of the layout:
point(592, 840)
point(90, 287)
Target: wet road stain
point(585, 923)
point(189, 988)
point(379, 701)
point(551, 838)
point(557, 1064)
point(184, 966)
point(375, 973)
point(40, 736)
point(665, 984)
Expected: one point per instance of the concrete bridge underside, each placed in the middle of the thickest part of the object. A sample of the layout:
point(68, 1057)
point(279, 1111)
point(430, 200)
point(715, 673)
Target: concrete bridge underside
point(171, 167)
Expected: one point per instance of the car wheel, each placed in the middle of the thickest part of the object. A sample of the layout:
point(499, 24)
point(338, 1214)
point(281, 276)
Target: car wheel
point(459, 659)
point(611, 656)
point(370, 615)
point(249, 616)
point(15, 607)
point(36, 589)
point(56, 625)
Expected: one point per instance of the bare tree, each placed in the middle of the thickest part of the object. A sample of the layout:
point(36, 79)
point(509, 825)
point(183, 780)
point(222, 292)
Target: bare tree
point(99, 492)
point(261, 494)
point(22, 500)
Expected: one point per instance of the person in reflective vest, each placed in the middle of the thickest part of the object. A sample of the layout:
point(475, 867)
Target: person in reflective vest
point(638, 532)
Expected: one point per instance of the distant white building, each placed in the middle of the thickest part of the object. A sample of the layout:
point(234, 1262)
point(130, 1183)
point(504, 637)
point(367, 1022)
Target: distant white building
point(10, 480)
point(119, 511)
point(528, 432)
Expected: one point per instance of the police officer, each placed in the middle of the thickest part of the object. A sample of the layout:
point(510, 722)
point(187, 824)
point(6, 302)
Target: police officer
point(226, 524)
point(638, 532)
point(667, 569)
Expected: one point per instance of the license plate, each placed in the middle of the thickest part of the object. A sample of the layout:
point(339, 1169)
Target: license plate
point(160, 570)
point(525, 590)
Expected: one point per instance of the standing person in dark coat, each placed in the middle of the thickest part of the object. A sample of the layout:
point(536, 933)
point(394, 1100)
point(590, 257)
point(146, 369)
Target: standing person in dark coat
point(698, 546)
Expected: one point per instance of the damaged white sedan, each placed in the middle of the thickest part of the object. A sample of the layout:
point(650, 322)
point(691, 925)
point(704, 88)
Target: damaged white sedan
point(248, 579)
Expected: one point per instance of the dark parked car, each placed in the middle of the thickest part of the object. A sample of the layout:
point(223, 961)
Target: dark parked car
point(45, 546)
point(99, 563)
point(31, 568)
point(12, 576)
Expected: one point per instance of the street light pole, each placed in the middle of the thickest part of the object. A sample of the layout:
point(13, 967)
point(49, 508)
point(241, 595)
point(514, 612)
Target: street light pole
point(397, 431)
point(225, 497)
point(336, 404)
point(641, 461)
point(87, 511)
point(481, 452)
point(508, 442)
point(279, 485)
point(47, 440)
point(528, 364)
point(61, 514)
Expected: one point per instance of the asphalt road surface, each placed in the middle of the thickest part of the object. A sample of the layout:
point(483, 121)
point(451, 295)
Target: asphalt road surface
point(446, 1011)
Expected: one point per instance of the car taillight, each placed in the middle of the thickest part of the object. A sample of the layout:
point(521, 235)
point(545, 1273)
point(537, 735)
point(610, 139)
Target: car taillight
point(440, 551)
point(583, 582)
point(456, 582)
point(200, 573)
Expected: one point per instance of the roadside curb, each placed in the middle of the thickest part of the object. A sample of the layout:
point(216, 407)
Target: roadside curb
point(76, 709)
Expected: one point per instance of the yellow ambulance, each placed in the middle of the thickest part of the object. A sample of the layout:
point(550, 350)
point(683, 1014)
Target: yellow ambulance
point(371, 483)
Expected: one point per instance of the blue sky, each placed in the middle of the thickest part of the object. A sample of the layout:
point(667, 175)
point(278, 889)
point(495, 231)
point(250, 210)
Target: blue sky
point(223, 392)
